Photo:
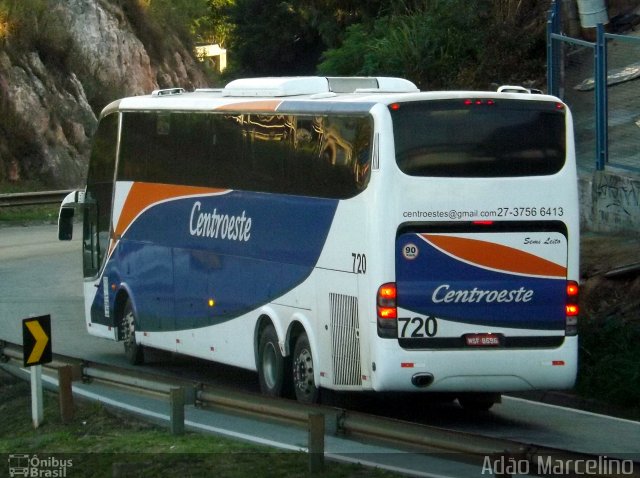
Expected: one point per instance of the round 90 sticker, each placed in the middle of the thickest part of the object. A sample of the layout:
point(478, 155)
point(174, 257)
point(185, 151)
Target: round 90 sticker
point(410, 251)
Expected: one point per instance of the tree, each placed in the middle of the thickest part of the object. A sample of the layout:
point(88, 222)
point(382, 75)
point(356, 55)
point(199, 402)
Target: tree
point(427, 42)
point(218, 22)
point(271, 37)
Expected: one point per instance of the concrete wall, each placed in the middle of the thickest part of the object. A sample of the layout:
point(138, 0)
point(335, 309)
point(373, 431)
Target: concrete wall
point(609, 202)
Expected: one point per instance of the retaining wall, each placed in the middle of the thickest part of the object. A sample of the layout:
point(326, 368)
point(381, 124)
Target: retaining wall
point(609, 202)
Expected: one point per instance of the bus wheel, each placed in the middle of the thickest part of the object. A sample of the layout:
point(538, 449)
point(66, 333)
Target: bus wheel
point(478, 402)
point(303, 380)
point(272, 365)
point(133, 350)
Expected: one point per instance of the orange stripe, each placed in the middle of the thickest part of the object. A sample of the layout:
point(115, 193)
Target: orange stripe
point(143, 195)
point(497, 256)
point(251, 106)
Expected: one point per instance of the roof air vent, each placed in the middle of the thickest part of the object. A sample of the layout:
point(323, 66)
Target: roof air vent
point(167, 92)
point(274, 87)
point(513, 89)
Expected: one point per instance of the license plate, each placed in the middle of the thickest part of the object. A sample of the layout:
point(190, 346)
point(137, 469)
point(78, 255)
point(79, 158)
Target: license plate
point(482, 340)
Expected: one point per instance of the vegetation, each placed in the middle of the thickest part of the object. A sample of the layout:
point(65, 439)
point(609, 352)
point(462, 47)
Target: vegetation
point(609, 325)
point(435, 43)
point(102, 444)
point(28, 215)
point(610, 361)
point(427, 45)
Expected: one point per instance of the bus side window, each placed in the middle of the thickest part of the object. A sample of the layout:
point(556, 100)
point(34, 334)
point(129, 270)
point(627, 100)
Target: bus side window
point(303, 177)
point(97, 206)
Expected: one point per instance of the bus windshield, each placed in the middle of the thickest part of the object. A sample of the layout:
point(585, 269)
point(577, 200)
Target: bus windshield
point(479, 137)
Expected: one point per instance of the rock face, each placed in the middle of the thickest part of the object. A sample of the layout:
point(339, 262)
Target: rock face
point(84, 54)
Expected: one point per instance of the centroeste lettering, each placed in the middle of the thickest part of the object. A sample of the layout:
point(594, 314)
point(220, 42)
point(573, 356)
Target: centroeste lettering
point(219, 226)
point(444, 294)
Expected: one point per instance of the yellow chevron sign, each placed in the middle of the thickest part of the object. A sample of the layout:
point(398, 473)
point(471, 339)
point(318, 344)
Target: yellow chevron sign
point(36, 340)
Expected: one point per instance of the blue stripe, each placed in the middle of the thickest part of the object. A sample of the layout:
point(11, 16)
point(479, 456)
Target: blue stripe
point(267, 245)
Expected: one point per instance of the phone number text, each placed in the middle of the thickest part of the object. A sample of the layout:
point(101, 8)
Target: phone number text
point(457, 214)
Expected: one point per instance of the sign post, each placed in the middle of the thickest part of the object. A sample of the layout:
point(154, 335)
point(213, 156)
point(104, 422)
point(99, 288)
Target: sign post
point(37, 402)
point(36, 344)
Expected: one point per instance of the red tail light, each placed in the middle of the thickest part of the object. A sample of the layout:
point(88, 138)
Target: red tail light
point(387, 310)
point(572, 289)
point(571, 308)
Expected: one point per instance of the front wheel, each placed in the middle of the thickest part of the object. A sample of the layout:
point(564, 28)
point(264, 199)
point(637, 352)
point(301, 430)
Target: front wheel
point(132, 349)
point(303, 378)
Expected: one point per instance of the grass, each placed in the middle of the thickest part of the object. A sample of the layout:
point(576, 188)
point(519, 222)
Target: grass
point(101, 443)
point(12, 216)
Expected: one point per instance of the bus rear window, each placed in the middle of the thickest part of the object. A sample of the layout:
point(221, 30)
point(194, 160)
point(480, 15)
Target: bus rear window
point(483, 138)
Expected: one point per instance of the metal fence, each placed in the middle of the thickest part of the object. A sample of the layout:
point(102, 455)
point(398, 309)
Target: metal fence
point(598, 80)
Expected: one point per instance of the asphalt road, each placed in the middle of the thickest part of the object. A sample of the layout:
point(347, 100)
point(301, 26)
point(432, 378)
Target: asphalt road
point(40, 275)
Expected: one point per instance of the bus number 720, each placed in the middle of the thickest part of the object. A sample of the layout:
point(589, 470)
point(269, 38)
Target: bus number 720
point(422, 327)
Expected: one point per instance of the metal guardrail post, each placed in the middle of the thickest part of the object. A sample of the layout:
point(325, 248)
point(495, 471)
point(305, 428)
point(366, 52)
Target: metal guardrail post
point(316, 442)
point(177, 398)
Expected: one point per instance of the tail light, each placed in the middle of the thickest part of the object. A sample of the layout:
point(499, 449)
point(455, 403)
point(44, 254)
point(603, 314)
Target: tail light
point(572, 308)
point(387, 308)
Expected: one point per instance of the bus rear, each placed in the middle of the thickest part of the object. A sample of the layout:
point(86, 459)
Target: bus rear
point(485, 253)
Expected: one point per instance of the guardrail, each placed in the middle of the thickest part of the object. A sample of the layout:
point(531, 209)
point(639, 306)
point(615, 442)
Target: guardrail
point(466, 447)
point(35, 198)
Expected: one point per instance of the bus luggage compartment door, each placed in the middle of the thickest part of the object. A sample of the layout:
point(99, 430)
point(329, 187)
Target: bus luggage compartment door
point(466, 287)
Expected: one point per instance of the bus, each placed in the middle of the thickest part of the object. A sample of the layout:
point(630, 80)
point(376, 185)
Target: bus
point(351, 234)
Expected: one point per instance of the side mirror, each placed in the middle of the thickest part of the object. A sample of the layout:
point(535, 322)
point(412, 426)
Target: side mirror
point(67, 210)
point(65, 223)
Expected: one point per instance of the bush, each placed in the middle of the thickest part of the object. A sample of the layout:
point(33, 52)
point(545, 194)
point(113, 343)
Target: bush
point(610, 361)
point(447, 44)
point(429, 46)
point(152, 20)
point(609, 335)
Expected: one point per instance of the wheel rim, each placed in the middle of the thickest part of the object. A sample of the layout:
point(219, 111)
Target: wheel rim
point(269, 365)
point(303, 372)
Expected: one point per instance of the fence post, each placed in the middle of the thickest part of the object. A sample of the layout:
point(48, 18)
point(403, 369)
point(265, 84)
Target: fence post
point(177, 399)
point(602, 146)
point(65, 393)
point(316, 442)
point(553, 53)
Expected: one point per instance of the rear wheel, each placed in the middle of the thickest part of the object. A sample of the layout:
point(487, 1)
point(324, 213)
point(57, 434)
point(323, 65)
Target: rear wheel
point(132, 349)
point(304, 383)
point(272, 366)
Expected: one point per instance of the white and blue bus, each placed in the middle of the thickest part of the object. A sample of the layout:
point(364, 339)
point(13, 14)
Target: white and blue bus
point(339, 233)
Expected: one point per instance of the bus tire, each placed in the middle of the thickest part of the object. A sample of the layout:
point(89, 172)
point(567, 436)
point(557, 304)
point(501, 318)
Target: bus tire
point(303, 374)
point(132, 349)
point(478, 402)
point(272, 366)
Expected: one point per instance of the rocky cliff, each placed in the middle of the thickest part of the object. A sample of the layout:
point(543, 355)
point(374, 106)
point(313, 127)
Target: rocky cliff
point(61, 65)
